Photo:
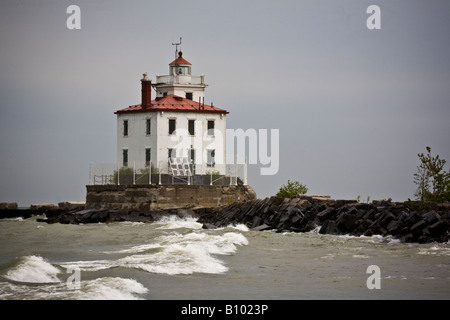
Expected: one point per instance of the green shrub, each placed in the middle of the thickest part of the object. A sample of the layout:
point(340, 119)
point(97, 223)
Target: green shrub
point(292, 189)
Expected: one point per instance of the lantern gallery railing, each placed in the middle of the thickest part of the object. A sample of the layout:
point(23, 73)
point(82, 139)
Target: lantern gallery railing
point(180, 79)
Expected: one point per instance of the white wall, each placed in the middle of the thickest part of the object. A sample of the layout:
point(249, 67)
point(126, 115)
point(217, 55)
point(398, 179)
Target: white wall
point(198, 91)
point(160, 140)
point(137, 140)
point(201, 141)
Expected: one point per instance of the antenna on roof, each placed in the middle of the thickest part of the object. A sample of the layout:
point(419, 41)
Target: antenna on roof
point(176, 44)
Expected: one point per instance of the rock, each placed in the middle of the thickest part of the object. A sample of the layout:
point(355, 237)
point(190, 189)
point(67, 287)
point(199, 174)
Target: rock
point(346, 222)
point(297, 214)
point(43, 207)
point(98, 216)
point(303, 203)
point(8, 206)
point(208, 226)
point(431, 217)
point(261, 227)
point(326, 214)
point(418, 227)
point(438, 228)
point(329, 227)
point(386, 218)
point(370, 214)
point(394, 227)
point(412, 219)
point(71, 205)
point(256, 222)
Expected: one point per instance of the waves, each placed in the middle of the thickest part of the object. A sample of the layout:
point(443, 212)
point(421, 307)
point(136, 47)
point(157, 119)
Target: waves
point(33, 269)
point(173, 246)
point(172, 254)
point(33, 277)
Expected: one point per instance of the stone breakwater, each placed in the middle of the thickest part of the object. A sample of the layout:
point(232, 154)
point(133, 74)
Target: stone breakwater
point(298, 214)
point(339, 217)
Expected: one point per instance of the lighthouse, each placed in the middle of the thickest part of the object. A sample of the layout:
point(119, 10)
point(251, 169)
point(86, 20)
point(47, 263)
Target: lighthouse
point(176, 124)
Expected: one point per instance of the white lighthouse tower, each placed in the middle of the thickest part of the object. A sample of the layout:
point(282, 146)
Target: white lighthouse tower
point(176, 124)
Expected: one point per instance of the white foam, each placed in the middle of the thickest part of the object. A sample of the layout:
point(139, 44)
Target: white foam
point(90, 265)
point(135, 249)
point(33, 269)
point(436, 250)
point(361, 256)
point(177, 254)
point(377, 238)
point(98, 289)
point(110, 289)
point(175, 222)
point(239, 227)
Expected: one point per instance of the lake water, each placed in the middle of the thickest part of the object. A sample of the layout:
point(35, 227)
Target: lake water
point(176, 259)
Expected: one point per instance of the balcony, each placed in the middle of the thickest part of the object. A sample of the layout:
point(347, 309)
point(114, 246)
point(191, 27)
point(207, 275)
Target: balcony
point(181, 79)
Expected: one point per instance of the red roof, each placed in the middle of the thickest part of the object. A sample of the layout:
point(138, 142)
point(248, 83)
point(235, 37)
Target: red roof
point(180, 60)
point(175, 104)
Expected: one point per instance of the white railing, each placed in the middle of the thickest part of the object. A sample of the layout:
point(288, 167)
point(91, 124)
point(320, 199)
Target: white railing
point(180, 79)
point(149, 173)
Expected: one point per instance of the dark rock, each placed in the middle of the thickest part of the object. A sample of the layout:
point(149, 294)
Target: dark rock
point(295, 215)
point(346, 221)
point(370, 214)
point(310, 225)
point(431, 217)
point(18, 213)
point(393, 227)
point(352, 210)
point(418, 227)
point(256, 222)
point(410, 237)
point(412, 219)
point(438, 228)
point(386, 218)
point(361, 226)
point(360, 213)
point(208, 226)
point(329, 227)
point(326, 214)
point(261, 227)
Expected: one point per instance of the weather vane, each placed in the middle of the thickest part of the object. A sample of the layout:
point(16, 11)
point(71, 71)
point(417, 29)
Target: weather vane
point(176, 44)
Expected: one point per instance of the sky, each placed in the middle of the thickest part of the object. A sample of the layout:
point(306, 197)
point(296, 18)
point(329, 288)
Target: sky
point(354, 106)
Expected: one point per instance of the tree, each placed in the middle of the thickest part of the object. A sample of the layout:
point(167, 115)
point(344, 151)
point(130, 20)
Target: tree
point(433, 183)
point(292, 189)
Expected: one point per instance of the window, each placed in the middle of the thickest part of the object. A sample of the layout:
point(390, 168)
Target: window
point(210, 161)
point(191, 127)
point(147, 156)
point(172, 153)
point(148, 126)
point(164, 94)
point(172, 126)
point(189, 95)
point(125, 128)
point(125, 157)
point(210, 127)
